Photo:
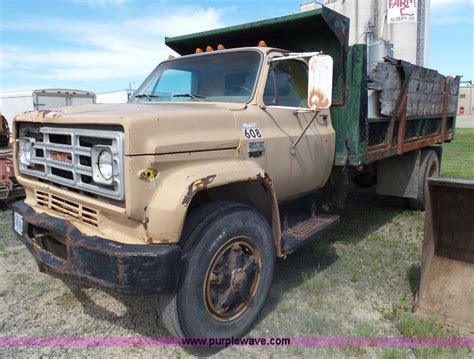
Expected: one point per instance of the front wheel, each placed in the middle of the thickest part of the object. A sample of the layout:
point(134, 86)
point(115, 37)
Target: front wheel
point(230, 257)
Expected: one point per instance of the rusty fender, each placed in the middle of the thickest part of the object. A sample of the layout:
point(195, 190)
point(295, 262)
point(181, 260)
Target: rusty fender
point(166, 212)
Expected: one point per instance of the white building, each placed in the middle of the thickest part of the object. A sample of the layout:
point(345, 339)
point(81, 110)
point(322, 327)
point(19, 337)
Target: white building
point(14, 103)
point(119, 96)
point(369, 24)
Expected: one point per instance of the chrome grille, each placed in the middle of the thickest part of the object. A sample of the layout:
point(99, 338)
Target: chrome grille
point(64, 156)
point(69, 208)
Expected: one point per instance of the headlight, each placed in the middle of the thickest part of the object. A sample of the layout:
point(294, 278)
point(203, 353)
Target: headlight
point(26, 150)
point(102, 165)
point(106, 165)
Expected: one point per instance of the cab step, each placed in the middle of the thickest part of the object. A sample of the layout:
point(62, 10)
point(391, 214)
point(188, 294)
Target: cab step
point(306, 231)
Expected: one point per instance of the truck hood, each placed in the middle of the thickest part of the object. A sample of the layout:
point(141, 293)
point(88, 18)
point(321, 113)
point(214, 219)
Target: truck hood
point(154, 128)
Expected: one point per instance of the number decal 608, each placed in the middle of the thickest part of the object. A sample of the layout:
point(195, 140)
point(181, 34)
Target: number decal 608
point(252, 133)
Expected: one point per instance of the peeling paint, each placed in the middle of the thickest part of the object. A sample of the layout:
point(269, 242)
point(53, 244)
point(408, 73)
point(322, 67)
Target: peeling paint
point(44, 113)
point(197, 186)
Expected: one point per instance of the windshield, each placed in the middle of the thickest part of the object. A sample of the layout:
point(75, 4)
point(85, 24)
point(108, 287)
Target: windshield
point(216, 77)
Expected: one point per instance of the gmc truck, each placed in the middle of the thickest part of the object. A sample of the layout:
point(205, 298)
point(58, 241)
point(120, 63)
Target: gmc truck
point(236, 152)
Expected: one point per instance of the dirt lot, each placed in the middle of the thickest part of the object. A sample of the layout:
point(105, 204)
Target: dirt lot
point(359, 280)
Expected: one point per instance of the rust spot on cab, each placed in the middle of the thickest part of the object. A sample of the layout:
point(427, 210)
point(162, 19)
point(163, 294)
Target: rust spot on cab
point(197, 186)
point(43, 113)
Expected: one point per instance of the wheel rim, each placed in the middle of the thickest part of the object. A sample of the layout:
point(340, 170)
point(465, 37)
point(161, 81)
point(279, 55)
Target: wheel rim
point(232, 279)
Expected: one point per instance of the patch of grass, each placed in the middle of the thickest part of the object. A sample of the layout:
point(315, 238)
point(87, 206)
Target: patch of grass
point(458, 156)
point(366, 330)
point(395, 353)
point(315, 284)
point(3, 251)
point(324, 254)
point(412, 325)
point(395, 311)
point(321, 325)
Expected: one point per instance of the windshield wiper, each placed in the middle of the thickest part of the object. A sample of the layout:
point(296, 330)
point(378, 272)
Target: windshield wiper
point(150, 97)
point(196, 97)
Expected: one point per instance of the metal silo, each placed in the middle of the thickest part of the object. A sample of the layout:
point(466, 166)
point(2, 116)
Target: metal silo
point(369, 26)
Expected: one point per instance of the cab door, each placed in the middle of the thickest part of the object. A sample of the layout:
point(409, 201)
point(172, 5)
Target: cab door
point(284, 100)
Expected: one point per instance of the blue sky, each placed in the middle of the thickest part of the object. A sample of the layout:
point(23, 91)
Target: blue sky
point(102, 45)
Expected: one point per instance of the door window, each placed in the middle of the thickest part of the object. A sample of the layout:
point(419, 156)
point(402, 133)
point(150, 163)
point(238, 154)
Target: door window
point(287, 84)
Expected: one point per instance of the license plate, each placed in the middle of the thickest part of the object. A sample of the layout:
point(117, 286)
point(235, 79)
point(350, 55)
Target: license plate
point(18, 223)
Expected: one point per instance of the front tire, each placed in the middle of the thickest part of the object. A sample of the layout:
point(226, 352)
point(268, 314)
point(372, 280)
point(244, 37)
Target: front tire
point(227, 273)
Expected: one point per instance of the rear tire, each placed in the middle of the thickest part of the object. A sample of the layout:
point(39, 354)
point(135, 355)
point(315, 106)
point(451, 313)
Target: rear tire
point(227, 273)
point(429, 168)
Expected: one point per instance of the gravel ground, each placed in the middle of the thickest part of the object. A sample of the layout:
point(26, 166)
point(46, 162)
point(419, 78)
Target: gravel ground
point(343, 285)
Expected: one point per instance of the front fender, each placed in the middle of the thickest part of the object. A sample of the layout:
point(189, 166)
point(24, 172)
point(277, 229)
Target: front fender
point(166, 211)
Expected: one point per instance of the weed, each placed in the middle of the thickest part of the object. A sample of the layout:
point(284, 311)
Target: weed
point(314, 283)
point(395, 311)
point(363, 329)
point(394, 353)
point(412, 325)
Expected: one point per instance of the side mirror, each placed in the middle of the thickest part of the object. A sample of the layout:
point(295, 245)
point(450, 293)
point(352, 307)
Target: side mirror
point(320, 82)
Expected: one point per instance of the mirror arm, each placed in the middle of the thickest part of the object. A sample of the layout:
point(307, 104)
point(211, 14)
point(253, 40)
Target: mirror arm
point(293, 151)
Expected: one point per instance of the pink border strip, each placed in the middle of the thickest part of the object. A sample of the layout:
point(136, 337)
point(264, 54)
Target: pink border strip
point(295, 341)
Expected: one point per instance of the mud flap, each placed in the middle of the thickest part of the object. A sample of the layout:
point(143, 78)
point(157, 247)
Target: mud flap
point(447, 269)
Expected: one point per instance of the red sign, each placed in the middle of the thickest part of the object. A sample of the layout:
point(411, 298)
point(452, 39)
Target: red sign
point(401, 11)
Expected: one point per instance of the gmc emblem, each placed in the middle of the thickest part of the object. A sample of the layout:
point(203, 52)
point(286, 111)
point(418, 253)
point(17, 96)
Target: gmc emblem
point(60, 156)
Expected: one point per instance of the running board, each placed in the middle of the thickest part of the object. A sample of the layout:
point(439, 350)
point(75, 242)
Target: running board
point(306, 231)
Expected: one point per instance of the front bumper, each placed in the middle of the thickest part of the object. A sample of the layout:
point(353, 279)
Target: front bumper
point(62, 251)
